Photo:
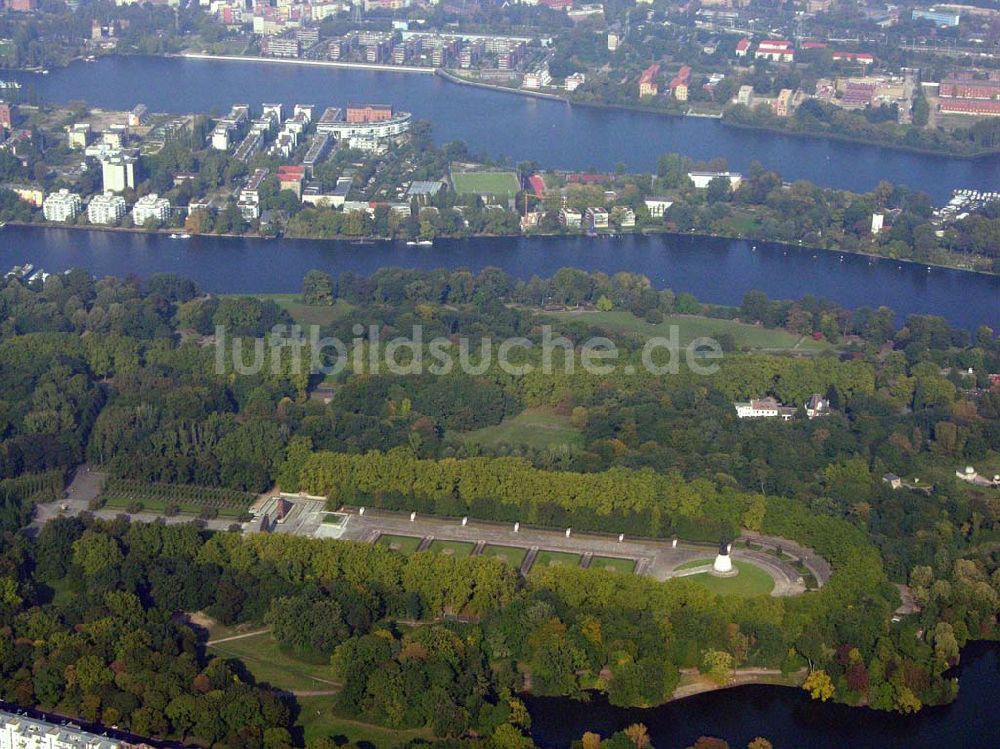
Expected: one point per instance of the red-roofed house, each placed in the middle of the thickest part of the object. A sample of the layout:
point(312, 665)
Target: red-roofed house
point(647, 81)
point(969, 89)
point(742, 47)
point(291, 178)
point(537, 185)
point(776, 50)
point(679, 83)
point(971, 106)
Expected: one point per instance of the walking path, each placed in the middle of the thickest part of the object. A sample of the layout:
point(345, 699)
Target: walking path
point(239, 636)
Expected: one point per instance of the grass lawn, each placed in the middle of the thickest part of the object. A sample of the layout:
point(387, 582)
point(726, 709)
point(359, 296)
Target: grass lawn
point(548, 558)
point(501, 184)
point(752, 580)
point(402, 544)
point(185, 508)
point(307, 314)
point(513, 555)
point(612, 564)
point(458, 549)
point(539, 428)
point(268, 663)
point(691, 327)
point(318, 720)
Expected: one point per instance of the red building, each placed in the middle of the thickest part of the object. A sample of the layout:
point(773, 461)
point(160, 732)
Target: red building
point(291, 178)
point(369, 113)
point(969, 89)
point(647, 82)
point(23, 6)
point(971, 106)
point(537, 185)
point(6, 116)
point(683, 77)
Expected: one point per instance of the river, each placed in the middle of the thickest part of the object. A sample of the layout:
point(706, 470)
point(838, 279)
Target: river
point(714, 270)
point(552, 133)
point(789, 718)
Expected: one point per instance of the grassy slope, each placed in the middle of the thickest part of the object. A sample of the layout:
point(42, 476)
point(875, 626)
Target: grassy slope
point(268, 663)
point(306, 314)
point(265, 660)
point(539, 428)
point(691, 327)
point(318, 720)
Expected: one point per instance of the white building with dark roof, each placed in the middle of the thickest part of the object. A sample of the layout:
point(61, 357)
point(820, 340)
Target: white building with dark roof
point(763, 408)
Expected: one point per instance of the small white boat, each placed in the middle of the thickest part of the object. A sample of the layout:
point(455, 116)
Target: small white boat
point(411, 243)
point(425, 243)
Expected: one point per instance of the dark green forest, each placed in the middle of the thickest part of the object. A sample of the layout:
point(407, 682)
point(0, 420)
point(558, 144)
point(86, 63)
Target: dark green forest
point(120, 374)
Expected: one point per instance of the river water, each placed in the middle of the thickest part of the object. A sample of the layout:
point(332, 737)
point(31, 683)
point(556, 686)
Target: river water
point(501, 124)
point(789, 718)
point(714, 270)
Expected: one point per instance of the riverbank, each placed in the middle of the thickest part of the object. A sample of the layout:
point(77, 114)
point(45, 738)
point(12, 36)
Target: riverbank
point(693, 682)
point(170, 232)
point(298, 61)
point(459, 80)
point(945, 154)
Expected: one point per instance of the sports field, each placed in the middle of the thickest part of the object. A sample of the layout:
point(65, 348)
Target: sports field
point(501, 184)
